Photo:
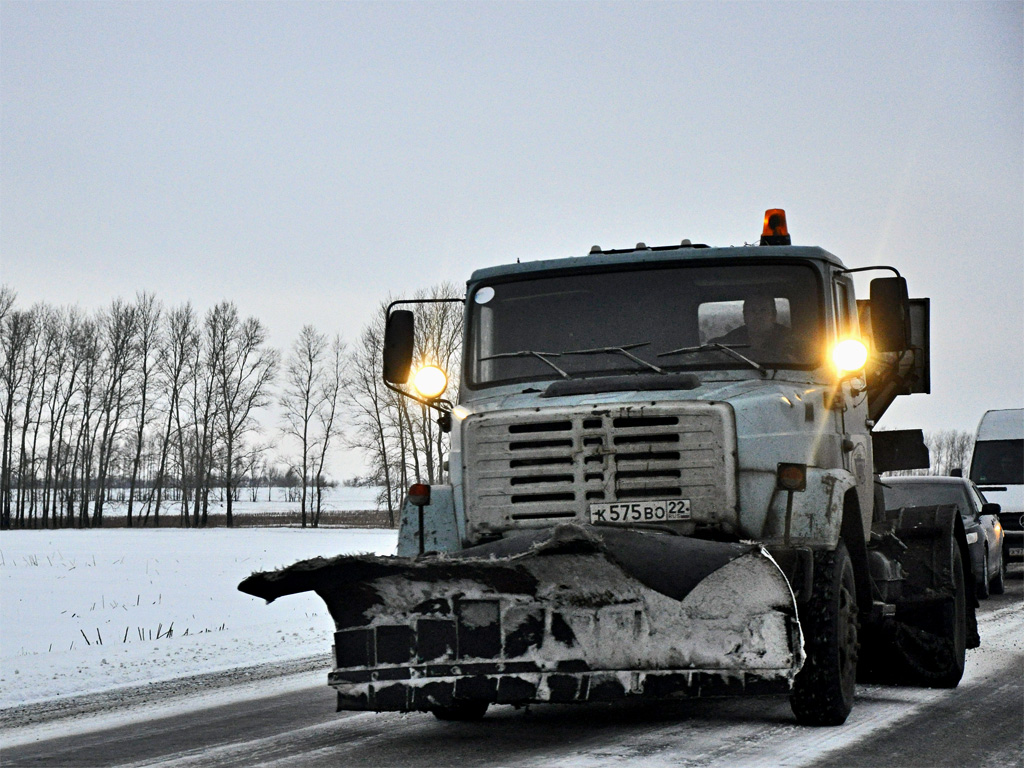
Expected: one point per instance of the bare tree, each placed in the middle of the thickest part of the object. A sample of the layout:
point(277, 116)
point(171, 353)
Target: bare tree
point(204, 414)
point(34, 390)
point(8, 296)
point(66, 367)
point(400, 438)
point(301, 399)
point(332, 385)
point(86, 419)
point(438, 342)
point(178, 353)
point(119, 330)
point(243, 369)
point(368, 401)
point(146, 346)
point(15, 336)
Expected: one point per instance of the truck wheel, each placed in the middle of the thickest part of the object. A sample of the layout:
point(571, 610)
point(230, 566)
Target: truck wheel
point(461, 711)
point(937, 659)
point(823, 690)
point(998, 584)
point(983, 590)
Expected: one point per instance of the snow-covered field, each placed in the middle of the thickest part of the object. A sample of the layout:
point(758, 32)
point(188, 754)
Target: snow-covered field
point(88, 610)
point(272, 500)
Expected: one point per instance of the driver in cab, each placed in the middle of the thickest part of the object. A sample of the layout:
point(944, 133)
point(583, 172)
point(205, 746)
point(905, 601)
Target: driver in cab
point(765, 337)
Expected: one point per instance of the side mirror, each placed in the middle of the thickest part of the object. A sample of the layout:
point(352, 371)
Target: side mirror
point(890, 314)
point(399, 335)
point(990, 508)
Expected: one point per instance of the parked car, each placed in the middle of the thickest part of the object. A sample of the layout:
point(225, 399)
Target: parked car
point(981, 520)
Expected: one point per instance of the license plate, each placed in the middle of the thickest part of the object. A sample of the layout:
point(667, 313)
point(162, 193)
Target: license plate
point(1014, 551)
point(651, 511)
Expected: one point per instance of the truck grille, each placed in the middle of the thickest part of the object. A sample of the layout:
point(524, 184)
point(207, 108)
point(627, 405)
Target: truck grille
point(533, 468)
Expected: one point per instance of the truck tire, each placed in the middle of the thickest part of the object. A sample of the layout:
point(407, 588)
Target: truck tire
point(461, 711)
point(824, 688)
point(998, 584)
point(983, 590)
point(936, 660)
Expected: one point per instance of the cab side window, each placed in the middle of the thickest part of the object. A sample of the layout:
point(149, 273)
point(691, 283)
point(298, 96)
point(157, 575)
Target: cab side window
point(844, 316)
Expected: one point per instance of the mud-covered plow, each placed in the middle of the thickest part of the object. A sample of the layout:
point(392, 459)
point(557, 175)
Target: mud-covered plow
point(571, 614)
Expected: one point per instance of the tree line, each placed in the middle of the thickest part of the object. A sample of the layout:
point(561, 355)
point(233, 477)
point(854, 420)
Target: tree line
point(161, 405)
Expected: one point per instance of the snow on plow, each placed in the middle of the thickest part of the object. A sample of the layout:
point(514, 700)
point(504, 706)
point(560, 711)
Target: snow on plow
point(571, 614)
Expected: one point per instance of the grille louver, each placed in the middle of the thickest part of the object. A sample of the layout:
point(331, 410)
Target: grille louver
point(533, 468)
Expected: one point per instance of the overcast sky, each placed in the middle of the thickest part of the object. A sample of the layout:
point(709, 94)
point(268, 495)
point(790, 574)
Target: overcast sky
point(305, 159)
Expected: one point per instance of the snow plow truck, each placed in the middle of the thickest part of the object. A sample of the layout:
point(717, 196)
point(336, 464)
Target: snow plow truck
point(663, 482)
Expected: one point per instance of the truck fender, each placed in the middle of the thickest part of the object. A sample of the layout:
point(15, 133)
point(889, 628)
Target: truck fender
point(441, 529)
point(812, 517)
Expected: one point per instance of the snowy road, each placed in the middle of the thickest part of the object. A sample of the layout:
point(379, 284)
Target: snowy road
point(290, 721)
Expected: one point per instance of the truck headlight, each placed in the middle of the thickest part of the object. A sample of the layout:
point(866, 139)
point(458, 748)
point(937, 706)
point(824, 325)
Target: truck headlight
point(430, 381)
point(849, 355)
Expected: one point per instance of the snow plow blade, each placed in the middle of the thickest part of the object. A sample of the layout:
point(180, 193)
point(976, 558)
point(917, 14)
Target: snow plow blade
point(572, 614)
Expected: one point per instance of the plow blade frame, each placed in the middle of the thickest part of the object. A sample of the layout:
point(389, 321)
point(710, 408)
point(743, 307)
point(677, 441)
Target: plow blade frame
point(575, 614)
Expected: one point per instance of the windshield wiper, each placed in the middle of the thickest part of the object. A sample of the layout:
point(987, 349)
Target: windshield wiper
point(715, 346)
point(623, 350)
point(542, 356)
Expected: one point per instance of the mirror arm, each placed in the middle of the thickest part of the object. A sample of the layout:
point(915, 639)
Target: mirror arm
point(868, 269)
point(395, 303)
point(439, 404)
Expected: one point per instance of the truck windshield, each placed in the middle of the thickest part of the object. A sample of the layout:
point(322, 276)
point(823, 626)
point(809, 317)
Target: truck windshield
point(653, 320)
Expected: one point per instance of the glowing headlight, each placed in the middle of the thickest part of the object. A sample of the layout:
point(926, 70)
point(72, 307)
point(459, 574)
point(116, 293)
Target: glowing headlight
point(430, 381)
point(849, 355)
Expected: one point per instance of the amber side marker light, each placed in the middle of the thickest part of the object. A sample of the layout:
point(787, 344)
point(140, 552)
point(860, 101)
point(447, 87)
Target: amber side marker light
point(419, 494)
point(791, 477)
point(775, 231)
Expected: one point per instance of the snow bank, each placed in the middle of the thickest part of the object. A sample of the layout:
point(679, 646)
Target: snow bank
point(84, 611)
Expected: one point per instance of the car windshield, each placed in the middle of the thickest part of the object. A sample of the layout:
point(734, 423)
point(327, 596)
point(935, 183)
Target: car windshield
point(998, 462)
point(924, 495)
point(652, 320)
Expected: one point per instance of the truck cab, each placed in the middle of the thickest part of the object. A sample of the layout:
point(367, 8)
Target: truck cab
point(722, 393)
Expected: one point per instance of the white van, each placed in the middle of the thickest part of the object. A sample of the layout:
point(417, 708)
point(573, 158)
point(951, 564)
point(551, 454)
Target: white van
point(997, 468)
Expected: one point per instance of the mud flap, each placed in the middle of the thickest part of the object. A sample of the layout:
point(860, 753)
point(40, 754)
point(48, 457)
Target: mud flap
point(570, 614)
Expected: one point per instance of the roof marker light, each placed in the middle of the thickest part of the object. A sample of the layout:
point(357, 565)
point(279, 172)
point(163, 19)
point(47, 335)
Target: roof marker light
point(775, 231)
